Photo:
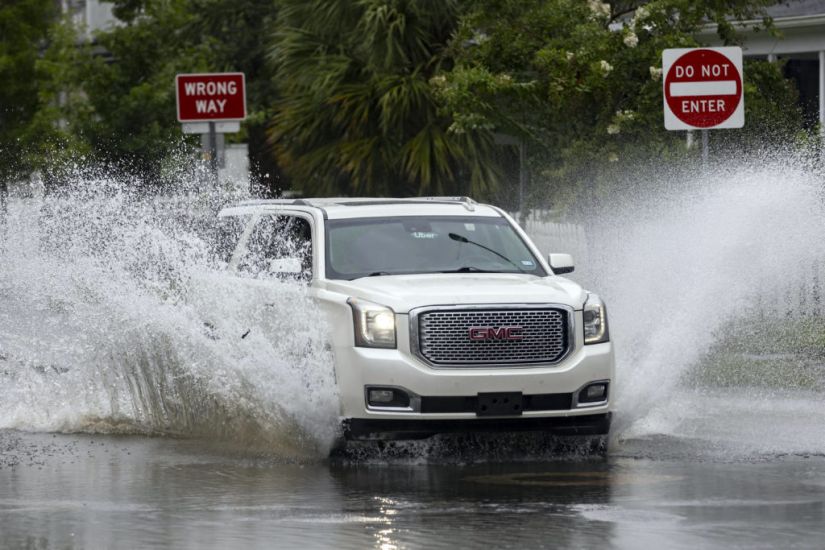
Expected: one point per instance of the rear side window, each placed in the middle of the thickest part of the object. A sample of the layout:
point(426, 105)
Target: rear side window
point(277, 241)
point(226, 235)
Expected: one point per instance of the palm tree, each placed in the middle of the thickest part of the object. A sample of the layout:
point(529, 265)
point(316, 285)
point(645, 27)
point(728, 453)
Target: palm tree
point(358, 114)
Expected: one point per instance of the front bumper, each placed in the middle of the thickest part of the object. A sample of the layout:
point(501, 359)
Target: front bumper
point(382, 429)
point(358, 368)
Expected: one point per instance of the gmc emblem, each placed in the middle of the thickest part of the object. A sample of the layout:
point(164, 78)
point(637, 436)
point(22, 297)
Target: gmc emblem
point(491, 333)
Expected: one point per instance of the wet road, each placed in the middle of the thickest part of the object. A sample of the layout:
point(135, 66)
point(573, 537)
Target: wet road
point(79, 491)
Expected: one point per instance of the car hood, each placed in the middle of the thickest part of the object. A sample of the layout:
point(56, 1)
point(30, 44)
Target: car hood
point(405, 292)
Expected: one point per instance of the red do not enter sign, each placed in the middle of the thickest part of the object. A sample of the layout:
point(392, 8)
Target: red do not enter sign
point(703, 88)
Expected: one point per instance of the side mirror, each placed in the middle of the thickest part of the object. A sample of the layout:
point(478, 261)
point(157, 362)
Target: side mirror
point(285, 265)
point(561, 263)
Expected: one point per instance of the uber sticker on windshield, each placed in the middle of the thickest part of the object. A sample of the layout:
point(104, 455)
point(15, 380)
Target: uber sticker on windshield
point(423, 235)
point(527, 263)
point(470, 226)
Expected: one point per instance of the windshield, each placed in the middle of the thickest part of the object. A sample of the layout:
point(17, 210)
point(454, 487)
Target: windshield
point(403, 245)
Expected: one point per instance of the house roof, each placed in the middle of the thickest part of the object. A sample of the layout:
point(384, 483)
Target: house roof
point(796, 8)
point(801, 26)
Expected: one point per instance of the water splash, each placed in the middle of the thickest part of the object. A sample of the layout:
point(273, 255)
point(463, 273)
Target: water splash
point(682, 260)
point(116, 317)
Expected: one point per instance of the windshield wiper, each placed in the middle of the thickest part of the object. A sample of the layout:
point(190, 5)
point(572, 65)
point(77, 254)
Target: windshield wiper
point(469, 269)
point(463, 239)
point(379, 273)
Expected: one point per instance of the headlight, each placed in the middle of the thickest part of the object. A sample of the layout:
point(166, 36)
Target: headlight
point(595, 321)
point(374, 324)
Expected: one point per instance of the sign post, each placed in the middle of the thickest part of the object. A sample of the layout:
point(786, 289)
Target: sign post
point(209, 104)
point(4, 190)
point(213, 148)
point(703, 90)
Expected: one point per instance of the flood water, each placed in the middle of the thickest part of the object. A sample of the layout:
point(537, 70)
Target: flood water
point(81, 491)
point(148, 400)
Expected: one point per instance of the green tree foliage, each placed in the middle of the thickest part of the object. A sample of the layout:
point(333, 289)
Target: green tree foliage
point(124, 108)
point(24, 25)
point(385, 97)
point(581, 82)
point(357, 113)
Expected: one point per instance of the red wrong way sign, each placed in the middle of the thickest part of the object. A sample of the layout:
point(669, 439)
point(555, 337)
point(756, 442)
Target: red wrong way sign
point(703, 88)
point(209, 97)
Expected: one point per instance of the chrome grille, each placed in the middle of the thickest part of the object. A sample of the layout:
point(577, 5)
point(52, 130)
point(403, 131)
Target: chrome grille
point(444, 336)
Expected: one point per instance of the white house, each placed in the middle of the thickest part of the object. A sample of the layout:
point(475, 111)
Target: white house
point(800, 43)
point(92, 14)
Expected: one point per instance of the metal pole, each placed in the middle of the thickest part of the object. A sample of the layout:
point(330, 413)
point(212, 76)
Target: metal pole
point(4, 191)
point(213, 151)
point(522, 176)
point(822, 99)
point(689, 139)
point(705, 150)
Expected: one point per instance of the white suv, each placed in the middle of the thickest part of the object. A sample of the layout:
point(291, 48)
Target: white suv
point(444, 316)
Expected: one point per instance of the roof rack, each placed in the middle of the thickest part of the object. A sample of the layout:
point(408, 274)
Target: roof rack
point(293, 202)
point(467, 202)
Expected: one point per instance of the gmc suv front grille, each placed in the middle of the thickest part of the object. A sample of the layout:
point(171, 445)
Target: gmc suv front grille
point(492, 336)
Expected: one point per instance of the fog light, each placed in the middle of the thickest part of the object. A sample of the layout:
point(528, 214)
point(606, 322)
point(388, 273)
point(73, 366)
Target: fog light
point(381, 396)
point(596, 391)
point(388, 397)
point(593, 393)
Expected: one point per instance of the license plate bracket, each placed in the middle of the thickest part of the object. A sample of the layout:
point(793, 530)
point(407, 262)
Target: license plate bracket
point(500, 404)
